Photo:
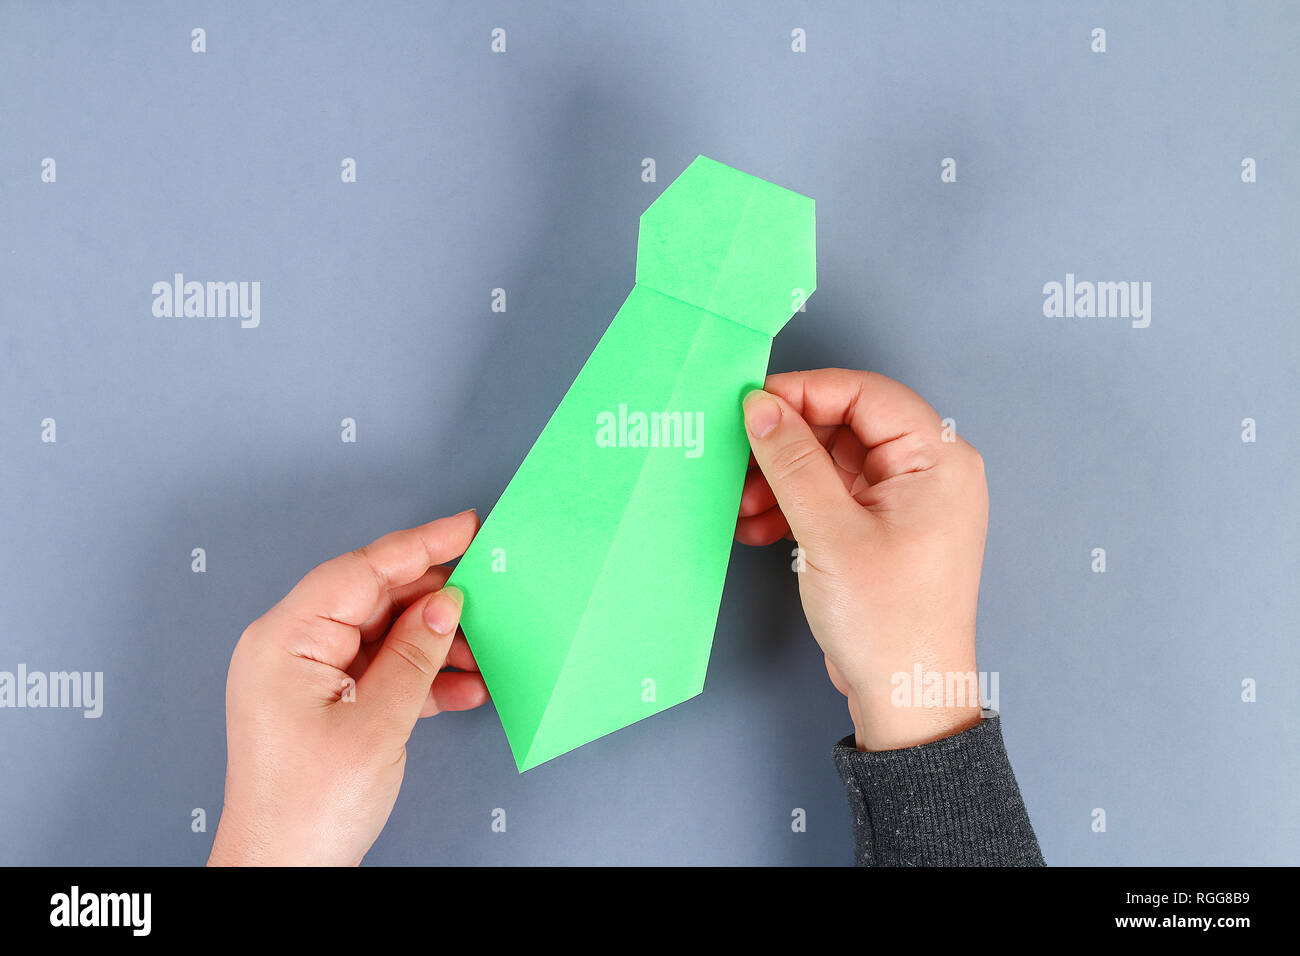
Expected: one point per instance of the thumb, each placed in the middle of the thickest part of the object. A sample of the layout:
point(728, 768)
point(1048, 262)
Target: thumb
point(797, 468)
point(394, 687)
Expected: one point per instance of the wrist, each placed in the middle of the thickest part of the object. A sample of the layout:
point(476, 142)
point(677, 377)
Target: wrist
point(907, 708)
point(301, 845)
point(233, 845)
point(878, 732)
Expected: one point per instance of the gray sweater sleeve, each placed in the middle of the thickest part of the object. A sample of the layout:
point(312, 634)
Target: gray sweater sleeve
point(953, 802)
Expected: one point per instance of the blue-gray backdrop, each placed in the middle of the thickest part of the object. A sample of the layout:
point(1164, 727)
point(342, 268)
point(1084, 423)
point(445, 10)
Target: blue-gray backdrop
point(1127, 691)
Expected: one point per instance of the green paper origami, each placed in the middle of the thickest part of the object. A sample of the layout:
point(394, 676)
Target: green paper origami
point(592, 589)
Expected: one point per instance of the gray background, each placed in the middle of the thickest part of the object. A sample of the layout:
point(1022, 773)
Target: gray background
point(1118, 690)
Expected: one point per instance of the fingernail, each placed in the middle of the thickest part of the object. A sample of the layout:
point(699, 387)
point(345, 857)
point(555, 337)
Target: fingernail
point(465, 512)
point(442, 611)
point(762, 413)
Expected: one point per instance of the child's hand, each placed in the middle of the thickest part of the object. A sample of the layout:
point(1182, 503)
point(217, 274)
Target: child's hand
point(324, 690)
point(890, 519)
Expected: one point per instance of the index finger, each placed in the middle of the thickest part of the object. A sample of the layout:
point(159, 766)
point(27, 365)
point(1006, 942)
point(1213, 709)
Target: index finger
point(876, 408)
point(347, 589)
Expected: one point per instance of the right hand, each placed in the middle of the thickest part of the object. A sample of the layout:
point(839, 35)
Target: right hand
point(891, 521)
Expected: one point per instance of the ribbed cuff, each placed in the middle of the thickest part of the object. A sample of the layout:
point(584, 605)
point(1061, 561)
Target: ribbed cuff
point(952, 802)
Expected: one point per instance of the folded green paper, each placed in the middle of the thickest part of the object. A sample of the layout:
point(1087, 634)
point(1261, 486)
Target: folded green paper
point(592, 589)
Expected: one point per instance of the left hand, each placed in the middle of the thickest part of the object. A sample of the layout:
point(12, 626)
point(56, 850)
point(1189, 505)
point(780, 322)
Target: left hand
point(324, 691)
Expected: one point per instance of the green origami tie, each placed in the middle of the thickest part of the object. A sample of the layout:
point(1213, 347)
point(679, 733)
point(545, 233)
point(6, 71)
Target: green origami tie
point(592, 590)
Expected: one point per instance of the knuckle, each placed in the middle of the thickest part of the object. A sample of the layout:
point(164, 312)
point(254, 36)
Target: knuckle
point(415, 655)
point(924, 448)
point(915, 451)
point(971, 457)
point(792, 459)
point(266, 633)
point(362, 556)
